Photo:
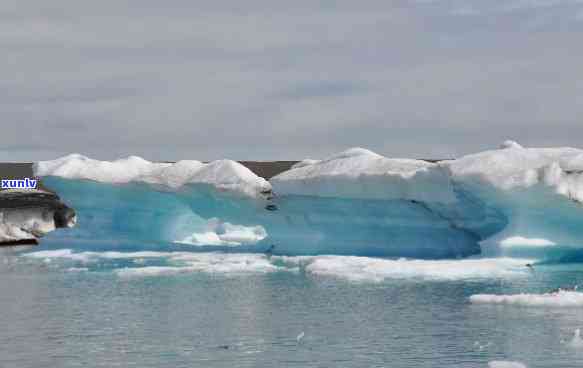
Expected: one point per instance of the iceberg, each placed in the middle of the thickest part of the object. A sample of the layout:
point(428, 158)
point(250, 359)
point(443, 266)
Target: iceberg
point(511, 201)
point(538, 191)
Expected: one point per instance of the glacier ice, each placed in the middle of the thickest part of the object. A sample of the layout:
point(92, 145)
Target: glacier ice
point(509, 201)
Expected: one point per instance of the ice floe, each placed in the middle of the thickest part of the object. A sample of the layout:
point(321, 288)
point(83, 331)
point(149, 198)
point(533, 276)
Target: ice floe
point(360, 269)
point(225, 234)
point(560, 298)
point(505, 364)
point(372, 269)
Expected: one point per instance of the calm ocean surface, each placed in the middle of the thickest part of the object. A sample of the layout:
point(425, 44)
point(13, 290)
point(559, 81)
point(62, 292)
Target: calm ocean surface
point(67, 310)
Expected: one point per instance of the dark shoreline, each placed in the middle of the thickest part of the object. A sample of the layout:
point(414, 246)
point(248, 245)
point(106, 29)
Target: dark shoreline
point(19, 243)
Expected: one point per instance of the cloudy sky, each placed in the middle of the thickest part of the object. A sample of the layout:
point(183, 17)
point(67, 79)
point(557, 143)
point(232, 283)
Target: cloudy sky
point(264, 79)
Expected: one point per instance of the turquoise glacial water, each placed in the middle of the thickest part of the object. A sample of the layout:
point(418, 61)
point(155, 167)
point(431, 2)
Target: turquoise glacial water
point(79, 309)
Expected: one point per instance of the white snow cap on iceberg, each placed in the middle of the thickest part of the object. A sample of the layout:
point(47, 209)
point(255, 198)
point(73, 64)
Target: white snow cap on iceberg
point(360, 173)
point(304, 162)
point(515, 167)
point(510, 144)
point(224, 175)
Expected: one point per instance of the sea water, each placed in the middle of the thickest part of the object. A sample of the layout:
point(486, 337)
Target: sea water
point(68, 307)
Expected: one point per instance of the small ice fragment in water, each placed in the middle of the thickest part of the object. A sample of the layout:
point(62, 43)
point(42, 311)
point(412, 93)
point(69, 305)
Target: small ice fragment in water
point(300, 337)
point(577, 341)
point(505, 364)
point(481, 347)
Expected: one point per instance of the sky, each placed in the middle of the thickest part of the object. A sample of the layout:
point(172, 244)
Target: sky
point(268, 80)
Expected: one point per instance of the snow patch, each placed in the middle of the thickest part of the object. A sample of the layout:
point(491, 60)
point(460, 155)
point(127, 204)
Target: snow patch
point(77, 269)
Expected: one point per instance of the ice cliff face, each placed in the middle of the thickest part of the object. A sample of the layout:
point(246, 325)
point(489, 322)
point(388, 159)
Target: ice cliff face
point(513, 199)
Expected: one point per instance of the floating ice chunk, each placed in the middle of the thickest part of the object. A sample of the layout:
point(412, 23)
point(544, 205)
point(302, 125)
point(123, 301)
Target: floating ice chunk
point(219, 263)
point(343, 267)
point(172, 262)
point(360, 173)
point(127, 255)
point(224, 175)
point(577, 341)
point(239, 234)
point(151, 271)
point(59, 253)
point(226, 234)
point(482, 347)
point(505, 364)
point(560, 298)
point(88, 257)
point(526, 242)
point(300, 337)
point(377, 270)
point(77, 269)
